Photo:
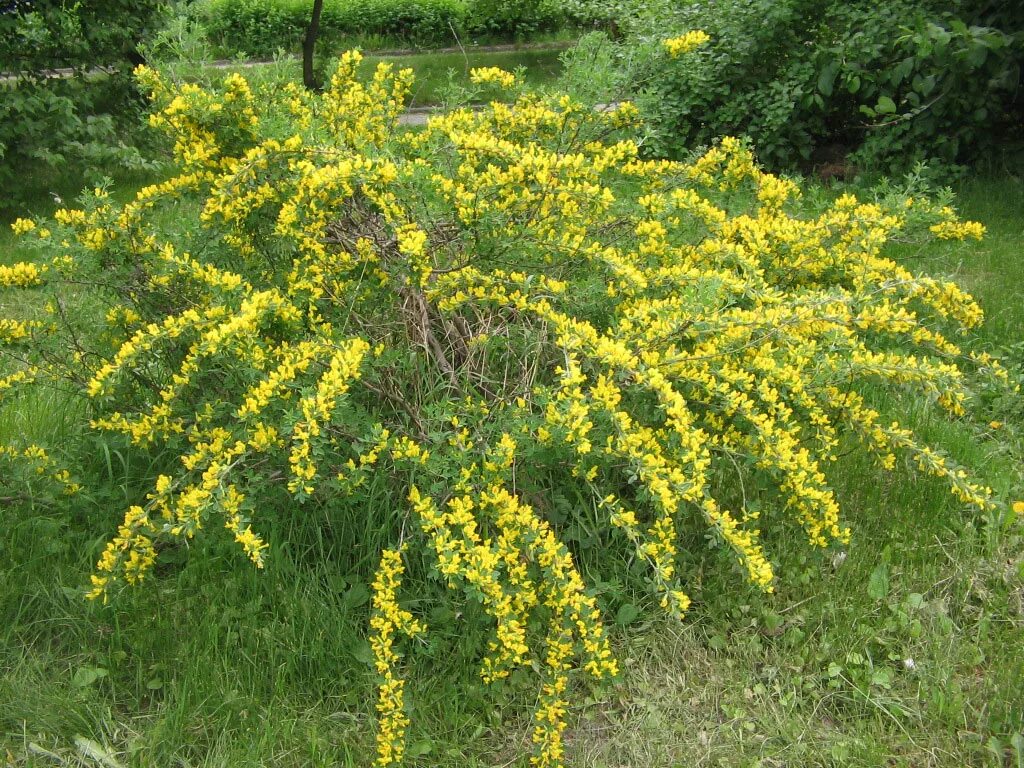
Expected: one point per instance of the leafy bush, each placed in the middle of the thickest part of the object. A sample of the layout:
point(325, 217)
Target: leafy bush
point(509, 18)
point(49, 121)
point(262, 27)
point(888, 83)
point(481, 343)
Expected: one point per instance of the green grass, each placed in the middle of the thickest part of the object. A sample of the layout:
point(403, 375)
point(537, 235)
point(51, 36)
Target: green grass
point(908, 652)
point(541, 67)
point(435, 72)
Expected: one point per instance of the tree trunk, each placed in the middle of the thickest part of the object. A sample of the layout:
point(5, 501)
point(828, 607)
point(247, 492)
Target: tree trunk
point(308, 45)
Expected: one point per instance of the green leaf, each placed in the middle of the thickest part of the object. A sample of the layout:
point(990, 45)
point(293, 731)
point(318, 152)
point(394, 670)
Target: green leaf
point(363, 653)
point(885, 106)
point(881, 678)
point(772, 621)
point(878, 582)
point(86, 676)
point(356, 596)
point(976, 55)
point(627, 614)
point(420, 748)
point(96, 752)
point(827, 78)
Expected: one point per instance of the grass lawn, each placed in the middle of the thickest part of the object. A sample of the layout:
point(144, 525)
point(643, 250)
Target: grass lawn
point(434, 71)
point(904, 650)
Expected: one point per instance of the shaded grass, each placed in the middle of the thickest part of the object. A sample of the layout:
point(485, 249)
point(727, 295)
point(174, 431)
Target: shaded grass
point(215, 664)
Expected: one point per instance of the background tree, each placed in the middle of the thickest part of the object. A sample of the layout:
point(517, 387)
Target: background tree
point(845, 84)
point(309, 79)
point(56, 109)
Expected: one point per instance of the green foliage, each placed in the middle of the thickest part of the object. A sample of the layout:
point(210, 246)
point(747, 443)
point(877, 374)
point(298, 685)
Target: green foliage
point(511, 18)
point(886, 84)
point(53, 120)
point(35, 36)
point(263, 27)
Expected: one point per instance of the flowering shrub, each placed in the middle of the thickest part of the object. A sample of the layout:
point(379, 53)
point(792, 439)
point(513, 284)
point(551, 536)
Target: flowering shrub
point(508, 301)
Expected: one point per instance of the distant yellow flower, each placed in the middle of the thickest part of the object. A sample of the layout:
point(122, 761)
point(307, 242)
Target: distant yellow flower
point(496, 75)
point(1018, 507)
point(995, 424)
point(21, 226)
point(692, 40)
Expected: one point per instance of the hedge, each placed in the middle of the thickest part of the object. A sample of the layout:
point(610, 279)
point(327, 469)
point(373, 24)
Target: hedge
point(262, 27)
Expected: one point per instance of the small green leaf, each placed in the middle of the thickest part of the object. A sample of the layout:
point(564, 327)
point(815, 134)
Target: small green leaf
point(363, 653)
point(827, 78)
point(881, 678)
point(154, 684)
point(772, 621)
point(86, 676)
point(96, 752)
point(420, 748)
point(627, 614)
point(356, 596)
point(885, 106)
point(878, 582)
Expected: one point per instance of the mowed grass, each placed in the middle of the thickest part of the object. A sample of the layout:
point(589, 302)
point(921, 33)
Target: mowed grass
point(906, 649)
point(435, 73)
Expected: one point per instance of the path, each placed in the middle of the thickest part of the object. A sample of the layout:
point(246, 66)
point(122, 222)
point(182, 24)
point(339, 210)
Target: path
point(389, 53)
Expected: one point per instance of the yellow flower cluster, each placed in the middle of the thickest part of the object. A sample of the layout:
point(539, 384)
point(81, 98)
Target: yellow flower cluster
point(22, 226)
point(389, 620)
point(492, 75)
point(38, 459)
point(676, 46)
point(318, 409)
point(23, 274)
point(958, 230)
point(14, 331)
point(524, 567)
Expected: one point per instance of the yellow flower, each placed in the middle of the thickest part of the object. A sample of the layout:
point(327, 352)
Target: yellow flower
point(22, 275)
point(1018, 507)
point(685, 43)
point(495, 75)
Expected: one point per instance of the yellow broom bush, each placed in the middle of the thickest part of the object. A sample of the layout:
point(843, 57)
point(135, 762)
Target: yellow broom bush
point(316, 298)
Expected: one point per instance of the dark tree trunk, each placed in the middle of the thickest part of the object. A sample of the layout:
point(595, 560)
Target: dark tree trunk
point(308, 45)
